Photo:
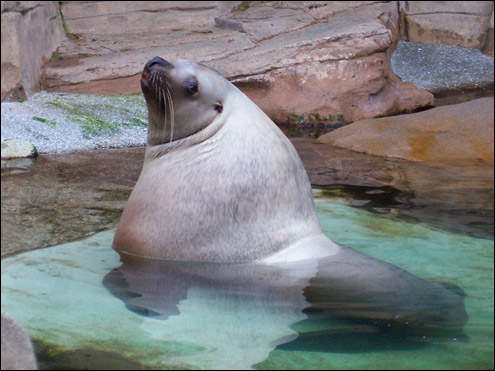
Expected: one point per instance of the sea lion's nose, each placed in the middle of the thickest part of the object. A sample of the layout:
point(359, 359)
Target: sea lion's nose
point(156, 60)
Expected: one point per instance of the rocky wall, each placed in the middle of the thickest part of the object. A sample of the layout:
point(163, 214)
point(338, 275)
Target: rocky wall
point(301, 61)
point(31, 32)
point(459, 23)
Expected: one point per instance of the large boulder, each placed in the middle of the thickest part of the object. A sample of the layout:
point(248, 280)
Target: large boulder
point(456, 134)
point(334, 70)
point(460, 23)
point(311, 61)
point(31, 32)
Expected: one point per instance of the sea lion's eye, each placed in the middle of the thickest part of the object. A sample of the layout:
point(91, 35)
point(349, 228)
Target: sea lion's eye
point(191, 85)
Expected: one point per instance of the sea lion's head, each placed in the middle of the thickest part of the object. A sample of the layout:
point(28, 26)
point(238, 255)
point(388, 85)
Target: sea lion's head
point(182, 98)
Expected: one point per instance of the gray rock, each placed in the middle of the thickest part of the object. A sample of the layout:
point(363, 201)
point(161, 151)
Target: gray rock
point(59, 122)
point(17, 148)
point(17, 350)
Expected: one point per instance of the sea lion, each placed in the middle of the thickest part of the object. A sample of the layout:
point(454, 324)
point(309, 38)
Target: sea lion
point(222, 184)
point(220, 181)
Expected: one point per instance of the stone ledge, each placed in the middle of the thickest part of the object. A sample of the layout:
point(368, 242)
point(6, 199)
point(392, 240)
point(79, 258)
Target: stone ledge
point(456, 134)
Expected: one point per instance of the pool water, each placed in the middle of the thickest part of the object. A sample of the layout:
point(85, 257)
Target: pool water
point(82, 313)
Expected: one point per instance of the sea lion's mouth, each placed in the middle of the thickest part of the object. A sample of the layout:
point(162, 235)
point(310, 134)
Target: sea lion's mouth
point(145, 85)
point(156, 91)
point(154, 76)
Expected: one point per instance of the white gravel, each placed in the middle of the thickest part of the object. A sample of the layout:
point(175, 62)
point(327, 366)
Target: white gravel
point(64, 132)
point(439, 68)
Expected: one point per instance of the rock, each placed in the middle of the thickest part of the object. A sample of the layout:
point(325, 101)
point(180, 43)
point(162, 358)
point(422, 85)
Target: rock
point(456, 134)
point(17, 148)
point(439, 68)
point(461, 23)
point(103, 17)
point(61, 122)
point(17, 350)
point(263, 20)
point(308, 61)
point(11, 68)
point(299, 61)
point(488, 49)
point(457, 198)
point(31, 31)
point(75, 195)
point(335, 71)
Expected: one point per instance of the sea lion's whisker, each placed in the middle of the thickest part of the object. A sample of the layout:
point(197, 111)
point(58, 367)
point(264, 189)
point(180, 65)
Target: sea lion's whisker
point(167, 104)
point(164, 101)
point(160, 98)
point(172, 122)
point(165, 109)
point(153, 82)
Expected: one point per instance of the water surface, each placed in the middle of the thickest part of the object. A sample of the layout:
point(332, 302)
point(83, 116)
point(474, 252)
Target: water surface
point(61, 295)
point(433, 222)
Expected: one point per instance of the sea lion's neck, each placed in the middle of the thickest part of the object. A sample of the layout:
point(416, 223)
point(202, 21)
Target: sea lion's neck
point(158, 150)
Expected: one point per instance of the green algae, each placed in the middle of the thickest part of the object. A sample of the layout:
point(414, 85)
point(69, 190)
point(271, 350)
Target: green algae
point(316, 119)
point(50, 123)
point(102, 115)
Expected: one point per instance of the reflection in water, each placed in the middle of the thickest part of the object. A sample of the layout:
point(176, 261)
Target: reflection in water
point(348, 302)
point(232, 315)
point(475, 221)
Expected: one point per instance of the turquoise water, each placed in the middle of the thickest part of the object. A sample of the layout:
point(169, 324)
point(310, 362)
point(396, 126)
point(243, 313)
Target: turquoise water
point(59, 295)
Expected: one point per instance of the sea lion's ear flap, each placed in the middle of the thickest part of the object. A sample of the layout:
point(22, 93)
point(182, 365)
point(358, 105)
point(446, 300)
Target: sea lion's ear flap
point(218, 107)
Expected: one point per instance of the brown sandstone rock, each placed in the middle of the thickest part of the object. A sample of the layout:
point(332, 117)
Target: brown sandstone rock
point(264, 19)
point(31, 31)
point(300, 61)
point(336, 70)
point(461, 23)
point(449, 134)
point(11, 63)
point(489, 47)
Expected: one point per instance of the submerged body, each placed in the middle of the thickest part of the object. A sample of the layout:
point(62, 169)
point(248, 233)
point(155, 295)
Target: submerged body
point(345, 302)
